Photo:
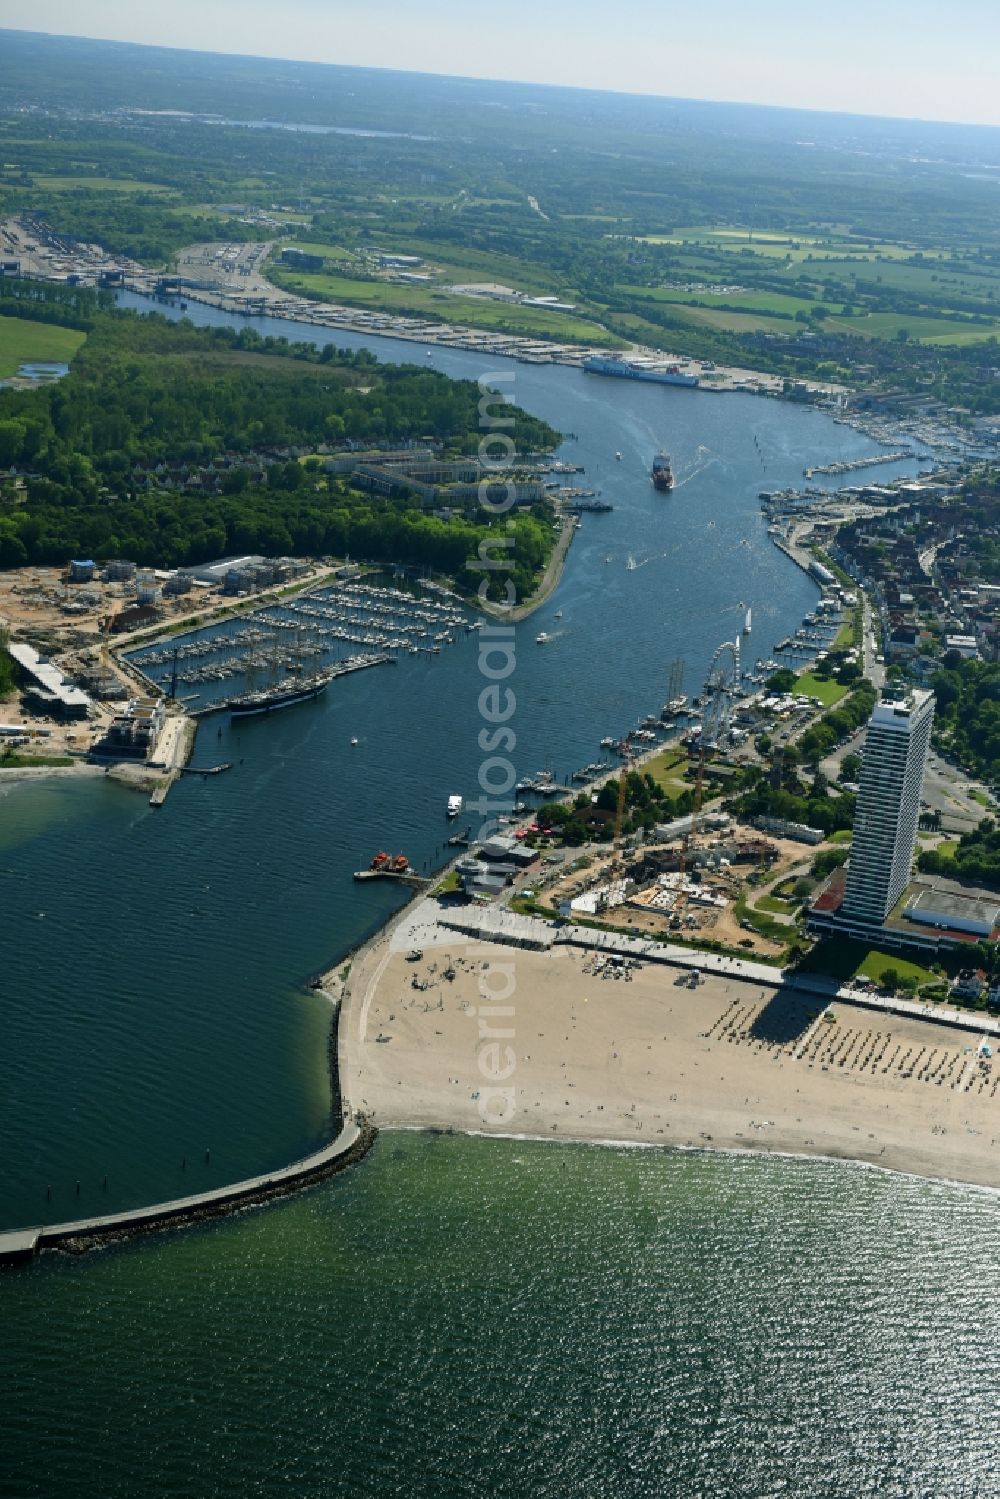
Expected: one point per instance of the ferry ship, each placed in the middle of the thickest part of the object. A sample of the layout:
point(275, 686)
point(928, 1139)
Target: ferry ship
point(661, 473)
point(671, 374)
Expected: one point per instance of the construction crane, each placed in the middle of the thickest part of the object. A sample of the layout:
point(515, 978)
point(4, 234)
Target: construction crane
point(692, 832)
point(617, 855)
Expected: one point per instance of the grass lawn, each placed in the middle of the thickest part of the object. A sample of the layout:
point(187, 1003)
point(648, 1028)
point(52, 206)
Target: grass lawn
point(841, 959)
point(14, 761)
point(842, 835)
point(22, 341)
point(776, 904)
point(828, 692)
point(312, 247)
point(667, 769)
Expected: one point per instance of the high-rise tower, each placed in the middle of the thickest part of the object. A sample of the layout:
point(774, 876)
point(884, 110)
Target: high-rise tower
point(888, 806)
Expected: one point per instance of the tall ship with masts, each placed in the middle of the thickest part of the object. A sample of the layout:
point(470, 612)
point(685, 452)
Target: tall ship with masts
point(286, 684)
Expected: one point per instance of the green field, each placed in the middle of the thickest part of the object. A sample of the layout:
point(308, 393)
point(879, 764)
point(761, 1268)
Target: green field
point(427, 301)
point(730, 322)
point(777, 905)
point(101, 185)
point(312, 247)
point(920, 327)
point(22, 341)
point(828, 692)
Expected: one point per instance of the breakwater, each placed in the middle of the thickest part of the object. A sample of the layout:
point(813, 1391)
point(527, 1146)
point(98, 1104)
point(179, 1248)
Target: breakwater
point(354, 1139)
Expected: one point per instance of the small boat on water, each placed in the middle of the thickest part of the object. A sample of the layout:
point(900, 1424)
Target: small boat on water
point(355, 741)
point(541, 638)
point(455, 805)
point(748, 622)
point(618, 456)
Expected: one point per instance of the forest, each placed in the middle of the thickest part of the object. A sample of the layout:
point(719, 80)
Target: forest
point(172, 445)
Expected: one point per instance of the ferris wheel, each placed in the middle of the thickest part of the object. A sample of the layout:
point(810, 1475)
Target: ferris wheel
point(722, 688)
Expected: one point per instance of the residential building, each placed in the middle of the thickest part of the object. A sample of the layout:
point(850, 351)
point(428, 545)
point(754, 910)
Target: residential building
point(888, 806)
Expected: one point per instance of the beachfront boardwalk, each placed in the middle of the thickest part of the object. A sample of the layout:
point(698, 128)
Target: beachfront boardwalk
point(499, 925)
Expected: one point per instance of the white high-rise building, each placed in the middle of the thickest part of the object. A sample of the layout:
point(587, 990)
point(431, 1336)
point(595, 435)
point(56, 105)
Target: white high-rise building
point(888, 806)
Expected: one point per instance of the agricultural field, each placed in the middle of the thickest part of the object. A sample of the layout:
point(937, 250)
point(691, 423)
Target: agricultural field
point(24, 342)
point(100, 185)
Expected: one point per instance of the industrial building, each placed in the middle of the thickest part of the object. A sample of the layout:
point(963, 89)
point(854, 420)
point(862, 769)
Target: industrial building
point(48, 690)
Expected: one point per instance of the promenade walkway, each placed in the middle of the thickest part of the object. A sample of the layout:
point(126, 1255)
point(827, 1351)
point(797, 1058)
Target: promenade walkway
point(497, 925)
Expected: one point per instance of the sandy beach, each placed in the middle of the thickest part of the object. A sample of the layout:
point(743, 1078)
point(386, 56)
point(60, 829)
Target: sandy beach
point(475, 1036)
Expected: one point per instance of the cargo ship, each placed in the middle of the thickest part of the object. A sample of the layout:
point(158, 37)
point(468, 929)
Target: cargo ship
point(671, 374)
point(282, 695)
point(661, 473)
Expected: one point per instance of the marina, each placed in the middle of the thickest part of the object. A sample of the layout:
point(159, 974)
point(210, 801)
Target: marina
point(250, 887)
point(265, 655)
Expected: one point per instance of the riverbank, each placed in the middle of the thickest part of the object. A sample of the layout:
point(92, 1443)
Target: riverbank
point(268, 299)
point(733, 1064)
point(548, 583)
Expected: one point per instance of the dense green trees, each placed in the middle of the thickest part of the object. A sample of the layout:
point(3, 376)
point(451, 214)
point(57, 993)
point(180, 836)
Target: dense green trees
point(968, 714)
point(173, 445)
point(977, 857)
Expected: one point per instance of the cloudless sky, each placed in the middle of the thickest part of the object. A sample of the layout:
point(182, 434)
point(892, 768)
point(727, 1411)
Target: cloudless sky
point(926, 59)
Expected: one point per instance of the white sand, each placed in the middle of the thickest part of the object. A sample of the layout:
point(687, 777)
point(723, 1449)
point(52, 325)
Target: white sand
point(725, 1065)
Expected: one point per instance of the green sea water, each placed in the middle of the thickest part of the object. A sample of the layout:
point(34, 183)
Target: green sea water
point(468, 1316)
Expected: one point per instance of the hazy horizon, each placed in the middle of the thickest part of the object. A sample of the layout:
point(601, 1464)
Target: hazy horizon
point(908, 63)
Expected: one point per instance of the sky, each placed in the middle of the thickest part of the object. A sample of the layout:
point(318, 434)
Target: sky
point(926, 59)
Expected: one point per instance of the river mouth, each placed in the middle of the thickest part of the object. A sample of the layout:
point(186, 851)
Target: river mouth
point(157, 1005)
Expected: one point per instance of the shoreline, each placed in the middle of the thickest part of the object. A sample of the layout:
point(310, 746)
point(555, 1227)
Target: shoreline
point(336, 317)
point(549, 582)
point(753, 1152)
point(733, 1066)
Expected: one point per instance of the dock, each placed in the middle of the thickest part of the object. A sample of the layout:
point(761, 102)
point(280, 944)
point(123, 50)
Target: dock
point(405, 875)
